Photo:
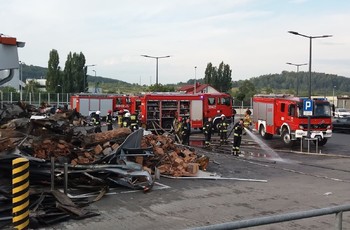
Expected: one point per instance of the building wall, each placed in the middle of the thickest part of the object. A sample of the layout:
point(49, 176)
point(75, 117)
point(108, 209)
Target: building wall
point(14, 81)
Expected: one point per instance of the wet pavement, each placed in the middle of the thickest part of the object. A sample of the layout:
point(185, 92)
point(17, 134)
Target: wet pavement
point(297, 183)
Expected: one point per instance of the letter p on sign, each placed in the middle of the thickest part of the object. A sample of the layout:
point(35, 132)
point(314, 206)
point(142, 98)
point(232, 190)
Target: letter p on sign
point(308, 107)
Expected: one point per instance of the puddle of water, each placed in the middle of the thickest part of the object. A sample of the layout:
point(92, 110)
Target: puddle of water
point(270, 153)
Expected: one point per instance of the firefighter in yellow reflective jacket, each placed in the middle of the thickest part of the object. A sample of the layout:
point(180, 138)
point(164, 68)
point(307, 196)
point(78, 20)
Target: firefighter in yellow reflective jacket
point(237, 137)
point(178, 130)
point(133, 122)
point(223, 125)
point(126, 120)
point(247, 121)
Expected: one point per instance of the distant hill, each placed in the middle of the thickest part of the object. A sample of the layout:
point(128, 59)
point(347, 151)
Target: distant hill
point(321, 83)
point(37, 72)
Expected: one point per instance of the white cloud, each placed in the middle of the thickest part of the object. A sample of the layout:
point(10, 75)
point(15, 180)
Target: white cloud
point(249, 35)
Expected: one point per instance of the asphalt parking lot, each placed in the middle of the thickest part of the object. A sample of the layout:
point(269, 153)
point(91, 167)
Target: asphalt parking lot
point(294, 182)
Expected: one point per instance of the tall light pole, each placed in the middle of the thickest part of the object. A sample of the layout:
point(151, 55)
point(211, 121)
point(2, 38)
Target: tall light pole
point(156, 57)
point(95, 80)
point(333, 94)
point(61, 92)
point(20, 81)
point(310, 54)
point(195, 80)
point(297, 65)
point(85, 74)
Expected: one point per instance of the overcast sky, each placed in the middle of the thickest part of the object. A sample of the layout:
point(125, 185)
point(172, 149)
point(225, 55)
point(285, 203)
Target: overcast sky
point(249, 35)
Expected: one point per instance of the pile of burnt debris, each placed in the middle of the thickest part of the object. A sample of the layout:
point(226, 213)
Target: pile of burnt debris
point(61, 146)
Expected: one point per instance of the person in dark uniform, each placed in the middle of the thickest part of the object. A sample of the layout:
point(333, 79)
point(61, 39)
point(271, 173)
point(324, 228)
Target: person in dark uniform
point(186, 132)
point(133, 122)
point(223, 125)
point(109, 120)
point(237, 137)
point(97, 122)
point(126, 120)
point(207, 129)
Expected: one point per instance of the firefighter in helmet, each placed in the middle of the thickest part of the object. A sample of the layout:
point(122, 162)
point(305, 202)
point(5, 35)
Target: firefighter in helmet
point(133, 122)
point(186, 132)
point(96, 120)
point(207, 129)
point(175, 122)
point(222, 126)
point(247, 120)
point(109, 120)
point(178, 130)
point(126, 120)
point(120, 118)
point(237, 137)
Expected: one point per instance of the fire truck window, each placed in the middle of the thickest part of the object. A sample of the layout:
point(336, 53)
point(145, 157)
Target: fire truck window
point(283, 107)
point(225, 101)
point(291, 110)
point(211, 101)
point(119, 101)
point(322, 110)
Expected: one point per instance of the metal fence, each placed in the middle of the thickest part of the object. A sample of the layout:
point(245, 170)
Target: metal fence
point(337, 210)
point(35, 98)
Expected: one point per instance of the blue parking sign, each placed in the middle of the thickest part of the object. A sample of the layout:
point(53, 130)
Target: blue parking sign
point(308, 107)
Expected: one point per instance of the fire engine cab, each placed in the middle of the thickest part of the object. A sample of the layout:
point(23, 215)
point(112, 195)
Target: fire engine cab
point(283, 115)
point(158, 110)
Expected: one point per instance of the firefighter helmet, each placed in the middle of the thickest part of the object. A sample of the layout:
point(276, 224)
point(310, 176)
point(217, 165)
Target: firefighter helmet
point(109, 111)
point(127, 115)
point(222, 115)
point(98, 112)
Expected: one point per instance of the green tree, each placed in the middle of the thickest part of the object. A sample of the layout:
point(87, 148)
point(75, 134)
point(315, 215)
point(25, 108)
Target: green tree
point(78, 72)
point(67, 80)
point(74, 73)
point(53, 76)
point(226, 80)
point(219, 78)
point(245, 91)
point(208, 74)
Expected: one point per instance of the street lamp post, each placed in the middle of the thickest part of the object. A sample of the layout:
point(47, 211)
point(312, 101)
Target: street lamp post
point(195, 80)
point(310, 54)
point(156, 57)
point(333, 94)
point(297, 65)
point(85, 72)
point(95, 80)
point(20, 81)
point(61, 86)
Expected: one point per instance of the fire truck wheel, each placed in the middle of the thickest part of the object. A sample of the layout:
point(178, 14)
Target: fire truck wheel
point(286, 138)
point(322, 142)
point(263, 133)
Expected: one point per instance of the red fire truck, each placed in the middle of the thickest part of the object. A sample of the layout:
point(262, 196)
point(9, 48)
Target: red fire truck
point(283, 115)
point(88, 103)
point(158, 110)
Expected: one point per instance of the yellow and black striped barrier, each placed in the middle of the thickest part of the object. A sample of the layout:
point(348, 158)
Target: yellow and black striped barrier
point(20, 193)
